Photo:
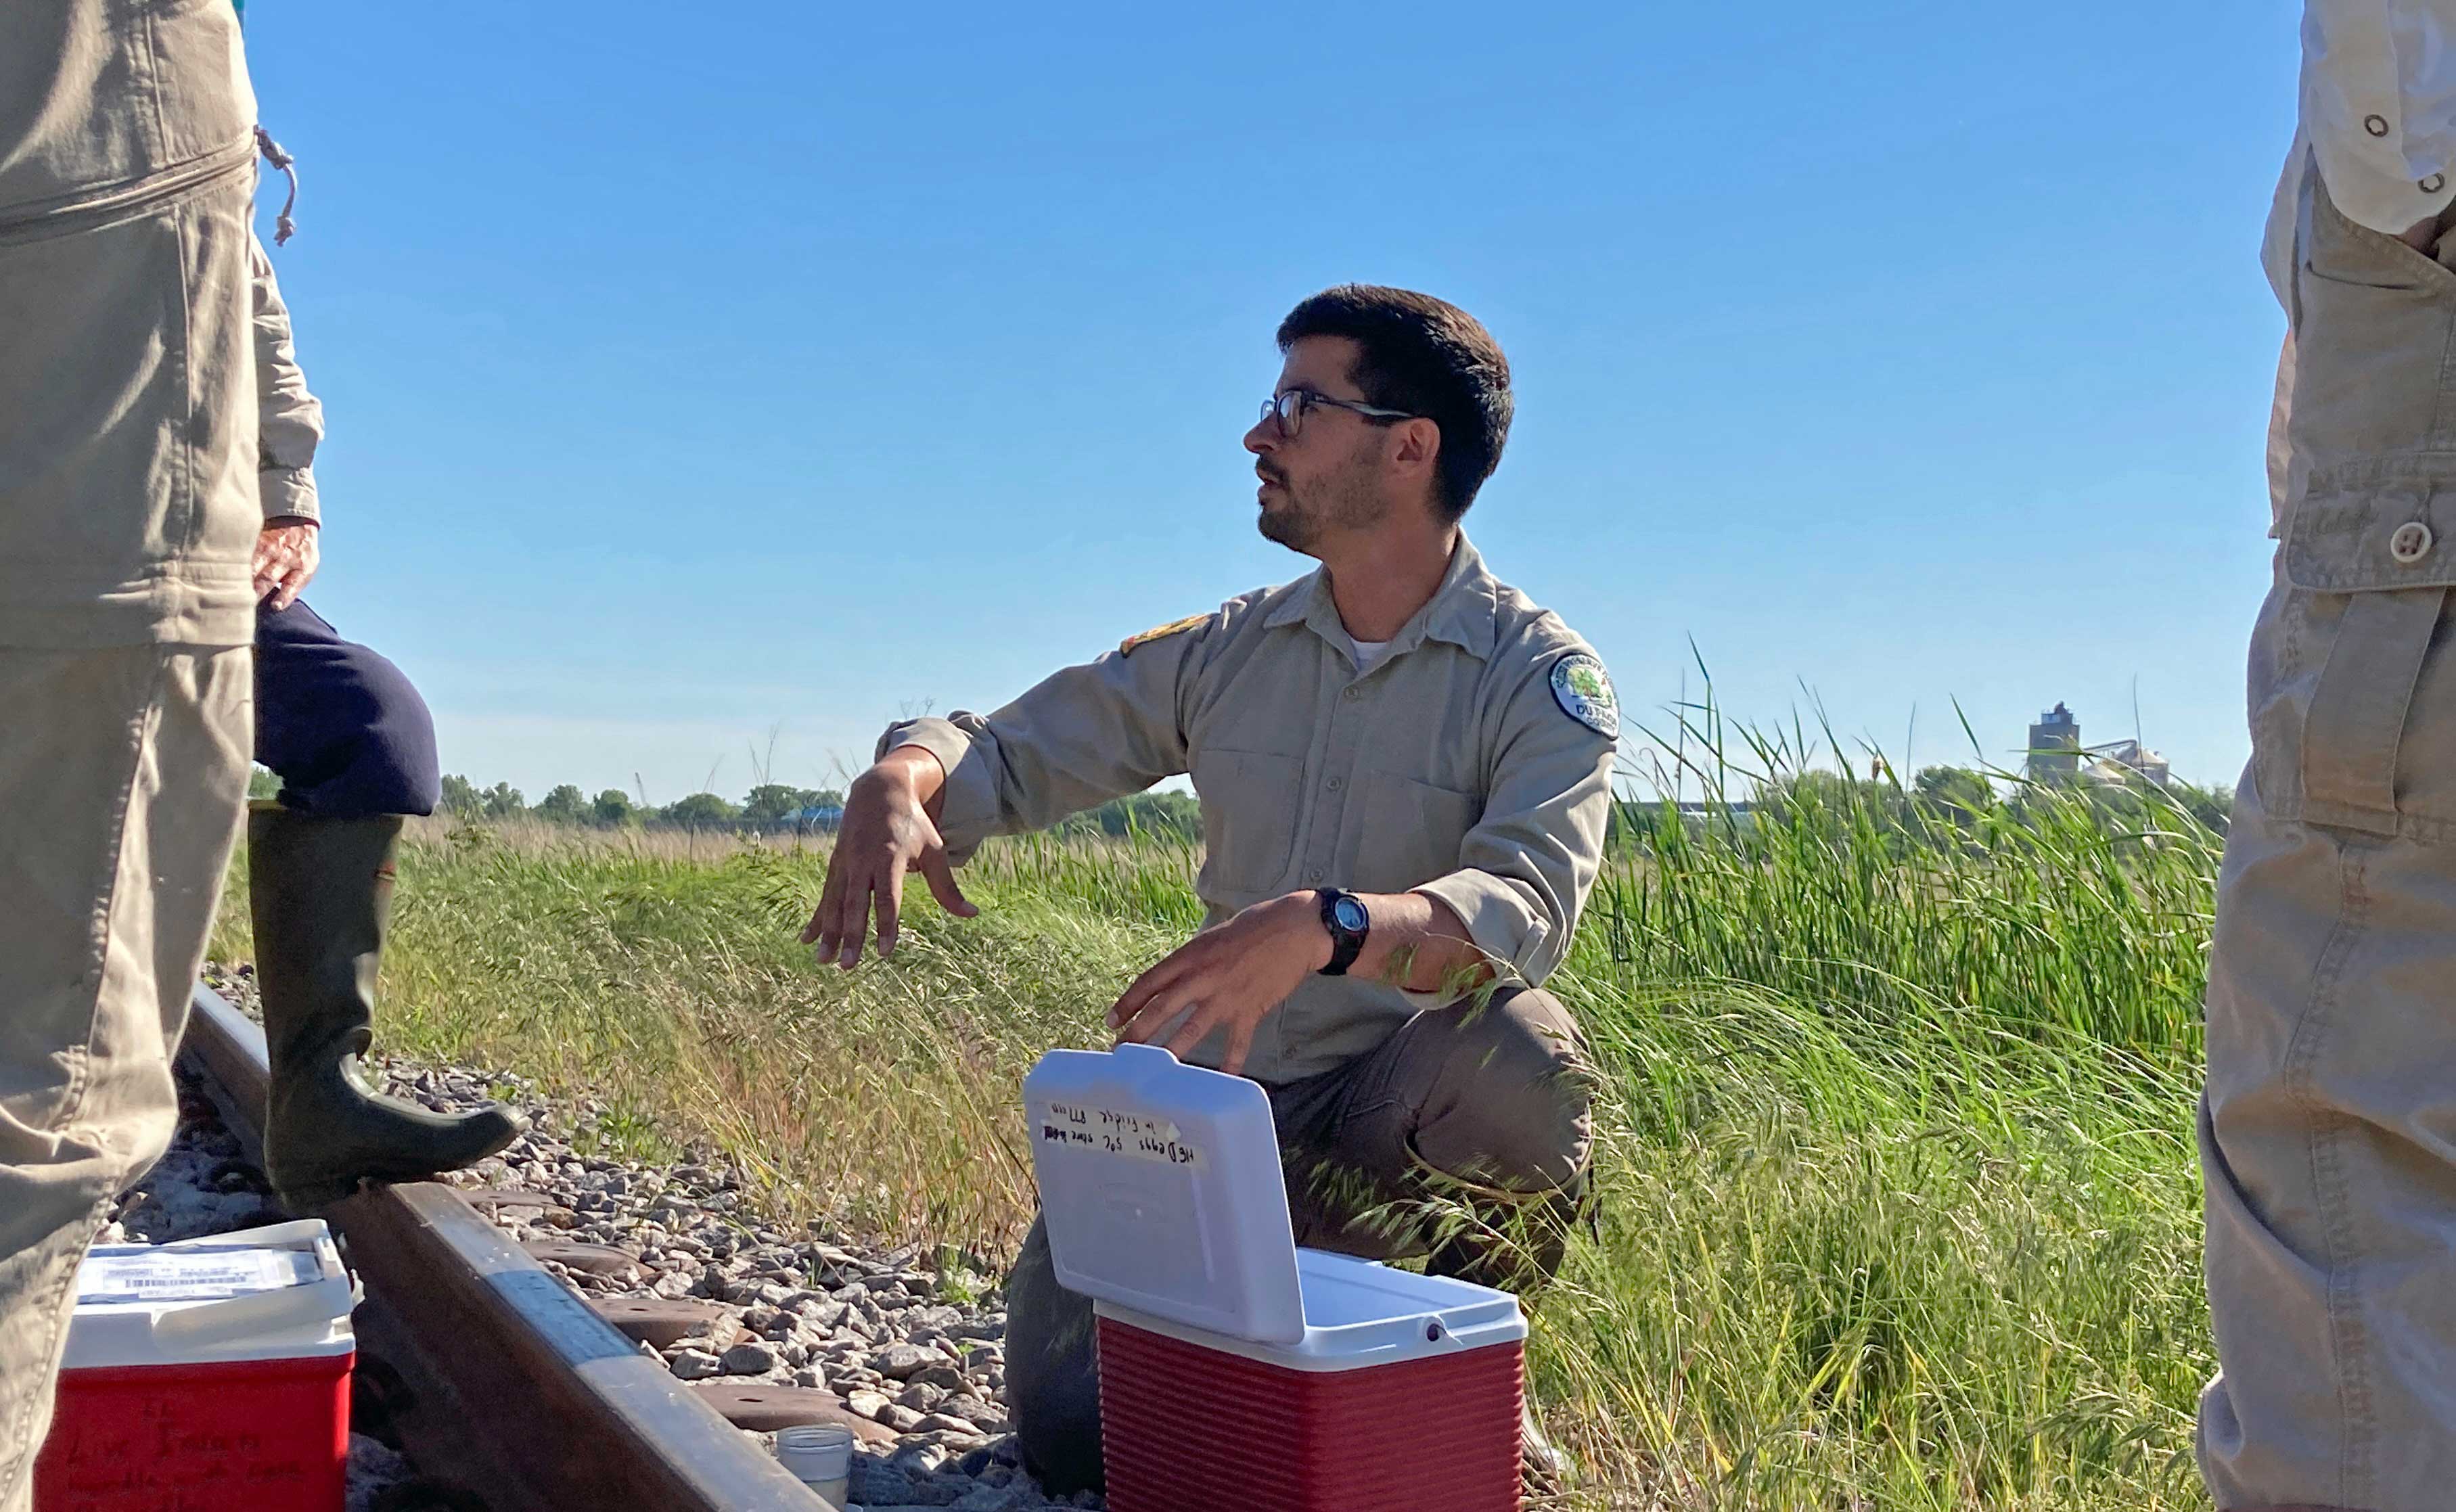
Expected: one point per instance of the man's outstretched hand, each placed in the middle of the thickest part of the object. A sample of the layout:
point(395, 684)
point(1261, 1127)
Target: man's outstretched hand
point(889, 827)
point(1229, 976)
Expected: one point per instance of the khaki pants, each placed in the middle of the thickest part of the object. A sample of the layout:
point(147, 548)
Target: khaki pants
point(2328, 1125)
point(1487, 1104)
point(123, 774)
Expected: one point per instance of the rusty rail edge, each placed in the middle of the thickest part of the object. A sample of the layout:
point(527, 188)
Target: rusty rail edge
point(501, 1381)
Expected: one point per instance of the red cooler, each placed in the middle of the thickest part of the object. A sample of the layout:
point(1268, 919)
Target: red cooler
point(208, 1375)
point(1237, 1371)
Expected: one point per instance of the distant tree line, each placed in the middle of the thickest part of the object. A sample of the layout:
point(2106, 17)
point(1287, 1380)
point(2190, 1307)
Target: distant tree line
point(1951, 796)
point(781, 806)
point(769, 806)
point(1166, 816)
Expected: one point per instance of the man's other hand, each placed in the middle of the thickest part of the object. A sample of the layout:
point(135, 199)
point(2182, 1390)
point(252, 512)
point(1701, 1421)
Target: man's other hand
point(888, 829)
point(285, 561)
point(1228, 976)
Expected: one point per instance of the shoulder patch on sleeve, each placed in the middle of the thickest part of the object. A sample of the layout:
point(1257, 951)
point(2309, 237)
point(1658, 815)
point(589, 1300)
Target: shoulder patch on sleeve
point(1161, 632)
point(1584, 690)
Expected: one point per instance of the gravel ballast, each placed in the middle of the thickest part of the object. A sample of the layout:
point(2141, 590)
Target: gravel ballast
point(910, 1341)
point(202, 1186)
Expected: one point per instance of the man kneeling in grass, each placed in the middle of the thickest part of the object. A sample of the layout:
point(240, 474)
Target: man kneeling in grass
point(1404, 768)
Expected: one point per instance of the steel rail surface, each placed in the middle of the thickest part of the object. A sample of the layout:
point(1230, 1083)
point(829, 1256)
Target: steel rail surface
point(502, 1384)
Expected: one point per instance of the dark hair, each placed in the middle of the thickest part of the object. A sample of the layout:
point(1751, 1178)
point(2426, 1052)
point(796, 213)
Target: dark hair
point(1426, 356)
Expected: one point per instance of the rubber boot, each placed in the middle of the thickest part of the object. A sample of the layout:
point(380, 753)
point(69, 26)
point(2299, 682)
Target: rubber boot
point(322, 890)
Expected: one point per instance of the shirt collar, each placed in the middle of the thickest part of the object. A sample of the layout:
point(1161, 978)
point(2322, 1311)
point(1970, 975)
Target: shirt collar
point(1463, 610)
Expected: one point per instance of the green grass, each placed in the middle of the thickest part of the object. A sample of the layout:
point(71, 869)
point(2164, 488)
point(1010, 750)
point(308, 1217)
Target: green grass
point(1899, 1205)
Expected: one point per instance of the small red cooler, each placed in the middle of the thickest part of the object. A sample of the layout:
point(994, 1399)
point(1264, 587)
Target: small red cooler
point(208, 1375)
point(1237, 1371)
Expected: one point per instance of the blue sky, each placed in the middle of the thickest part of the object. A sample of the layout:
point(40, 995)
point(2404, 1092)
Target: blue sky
point(711, 381)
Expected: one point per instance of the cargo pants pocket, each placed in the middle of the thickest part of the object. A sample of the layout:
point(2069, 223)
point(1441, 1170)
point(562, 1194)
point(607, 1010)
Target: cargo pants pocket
point(2358, 722)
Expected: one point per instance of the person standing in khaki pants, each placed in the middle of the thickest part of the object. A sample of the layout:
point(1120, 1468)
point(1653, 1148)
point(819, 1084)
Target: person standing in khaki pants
point(128, 519)
point(2328, 1125)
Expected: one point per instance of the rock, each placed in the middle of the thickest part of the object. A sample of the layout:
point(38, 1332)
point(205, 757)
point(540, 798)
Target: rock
point(944, 1422)
point(996, 1499)
point(904, 1361)
point(695, 1364)
point(372, 1470)
point(749, 1359)
point(921, 1397)
point(876, 1483)
point(902, 1420)
point(979, 1414)
point(941, 1374)
point(868, 1404)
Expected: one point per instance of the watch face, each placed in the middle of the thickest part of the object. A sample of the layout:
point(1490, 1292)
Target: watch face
point(1350, 914)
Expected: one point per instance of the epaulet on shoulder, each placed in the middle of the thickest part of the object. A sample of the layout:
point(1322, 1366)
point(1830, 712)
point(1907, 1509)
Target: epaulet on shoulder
point(1161, 632)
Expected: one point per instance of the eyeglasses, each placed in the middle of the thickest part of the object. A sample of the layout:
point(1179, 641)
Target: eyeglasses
point(1289, 410)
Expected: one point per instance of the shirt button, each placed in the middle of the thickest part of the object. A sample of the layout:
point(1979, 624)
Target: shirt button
point(2433, 184)
point(1351, 695)
point(2376, 125)
point(1315, 875)
point(1336, 784)
point(2410, 544)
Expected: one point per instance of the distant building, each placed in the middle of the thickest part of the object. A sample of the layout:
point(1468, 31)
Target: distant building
point(2054, 745)
point(2128, 761)
point(2056, 755)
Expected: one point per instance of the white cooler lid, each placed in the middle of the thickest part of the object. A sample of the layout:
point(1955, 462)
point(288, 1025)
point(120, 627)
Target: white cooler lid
point(1160, 1184)
point(274, 1292)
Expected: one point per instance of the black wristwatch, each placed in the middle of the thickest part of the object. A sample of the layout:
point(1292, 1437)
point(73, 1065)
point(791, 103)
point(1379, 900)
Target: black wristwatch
point(1344, 915)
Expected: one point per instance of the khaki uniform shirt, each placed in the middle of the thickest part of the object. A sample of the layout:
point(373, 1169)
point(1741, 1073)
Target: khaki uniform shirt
point(1450, 767)
point(128, 407)
point(289, 418)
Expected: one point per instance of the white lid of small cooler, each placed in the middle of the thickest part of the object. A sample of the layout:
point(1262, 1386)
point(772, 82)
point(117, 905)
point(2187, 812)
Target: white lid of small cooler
point(274, 1292)
point(1358, 1314)
point(1160, 1185)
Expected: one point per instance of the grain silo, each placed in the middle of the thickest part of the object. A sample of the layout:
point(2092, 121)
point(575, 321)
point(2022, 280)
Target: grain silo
point(2054, 745)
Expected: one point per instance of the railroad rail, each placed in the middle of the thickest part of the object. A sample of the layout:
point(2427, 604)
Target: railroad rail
point(504, 1387)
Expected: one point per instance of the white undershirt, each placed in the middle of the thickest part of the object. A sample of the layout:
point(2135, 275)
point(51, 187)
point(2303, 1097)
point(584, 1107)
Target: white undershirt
point(1366, 652)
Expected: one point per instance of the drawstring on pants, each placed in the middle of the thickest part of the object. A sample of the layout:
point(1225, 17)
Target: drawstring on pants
point(284, 226)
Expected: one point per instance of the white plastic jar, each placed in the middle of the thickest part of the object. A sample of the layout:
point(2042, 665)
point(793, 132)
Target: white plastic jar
point(819, 1456)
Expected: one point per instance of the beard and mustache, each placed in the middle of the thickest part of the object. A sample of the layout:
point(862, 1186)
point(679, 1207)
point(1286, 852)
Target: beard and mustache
point(1344, 501)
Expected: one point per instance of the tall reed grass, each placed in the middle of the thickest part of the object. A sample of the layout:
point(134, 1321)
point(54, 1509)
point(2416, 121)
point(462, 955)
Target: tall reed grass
point(1899, 1209)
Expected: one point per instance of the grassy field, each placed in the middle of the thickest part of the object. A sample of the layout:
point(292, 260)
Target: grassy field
point(1900, 1209)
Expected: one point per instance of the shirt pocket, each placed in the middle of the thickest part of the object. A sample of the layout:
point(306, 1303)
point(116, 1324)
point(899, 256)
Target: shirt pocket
point(2354, 708)
point(1249, 817)
point(1411, 832)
